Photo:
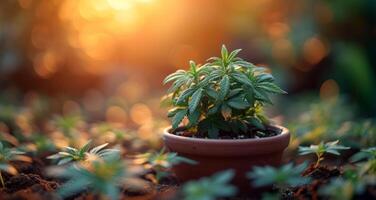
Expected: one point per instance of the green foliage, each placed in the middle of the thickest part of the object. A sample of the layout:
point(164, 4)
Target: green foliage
point(67, 124)
point(287, 175)
point(319, 150)
point(368, 156)
point(354, 181)
point(103, 177)
point(210, 188)
point(162, 161)
point(227, 93)
point(72, 154)
point(7, 155)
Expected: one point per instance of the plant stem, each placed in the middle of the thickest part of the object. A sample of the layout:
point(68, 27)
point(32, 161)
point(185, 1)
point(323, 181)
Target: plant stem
point(2, 180)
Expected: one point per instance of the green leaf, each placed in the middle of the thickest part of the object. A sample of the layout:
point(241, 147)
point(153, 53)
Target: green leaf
point(179, 116)
point(256, 123)
point(225, 86)
point(242, 78)
point(233, 54)
point(238, 103)
point(224, 52)
point(184, 96)
point(195, 100)
point(271, 87)
point(194, 117)
point(265, 78)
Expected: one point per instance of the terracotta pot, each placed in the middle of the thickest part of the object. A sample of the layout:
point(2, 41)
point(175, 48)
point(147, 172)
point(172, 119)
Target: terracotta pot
point(215, 155)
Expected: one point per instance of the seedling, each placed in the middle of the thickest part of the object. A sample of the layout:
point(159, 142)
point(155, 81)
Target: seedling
point(285, 176)
point(102, 177)
point(161, 162)
point(210, 188)
point(7, 155)
point(321, 149)
point(225, 94)
point(83, 154)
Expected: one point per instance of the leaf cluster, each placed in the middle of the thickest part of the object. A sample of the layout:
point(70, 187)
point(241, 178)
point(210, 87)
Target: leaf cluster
point(286, 175)
point(103, 177)
point(84, 153)
point(10, 154)
point(225, 94)
point(161, 161)
point(322, 148)
point(210, 188)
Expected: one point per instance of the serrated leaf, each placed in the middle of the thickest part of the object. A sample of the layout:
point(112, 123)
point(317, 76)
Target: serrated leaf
point(271, 87)
point(179, 116)
point(242, 78)
point(238, 103)
point(194, 117)
point(184, 96)
point(224, 87)
point(195, 100)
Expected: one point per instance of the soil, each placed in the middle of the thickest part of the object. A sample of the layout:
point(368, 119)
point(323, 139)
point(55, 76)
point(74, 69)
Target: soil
point(320, 176)
point(253, 132)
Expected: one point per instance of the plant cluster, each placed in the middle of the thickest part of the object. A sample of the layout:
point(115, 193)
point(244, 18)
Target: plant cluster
point(103, 177)
point(6, 156)
point(354, 180)
point(210, 188)
point(286, 176)
point(82, 154)
point(322, 148)
point(227, 94)
point(161, 162)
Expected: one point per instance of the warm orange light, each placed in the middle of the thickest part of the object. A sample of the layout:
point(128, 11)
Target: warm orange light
point(140, 114)
point(329, 90)
point(314, 50)
point(116, 114)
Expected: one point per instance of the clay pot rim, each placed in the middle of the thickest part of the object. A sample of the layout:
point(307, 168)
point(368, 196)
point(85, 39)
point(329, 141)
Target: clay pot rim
point(285, 133)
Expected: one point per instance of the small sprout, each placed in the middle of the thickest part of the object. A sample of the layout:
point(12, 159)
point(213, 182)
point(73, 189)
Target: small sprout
point(83, 154)
point(210, 188)
point(285, 176)
point(7, 155)
point(319, 150)
point(103, 177)
point(161, 161)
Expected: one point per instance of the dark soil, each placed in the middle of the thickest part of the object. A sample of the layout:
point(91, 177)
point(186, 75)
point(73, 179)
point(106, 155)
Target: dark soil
point(320, 176)
point(253, 132)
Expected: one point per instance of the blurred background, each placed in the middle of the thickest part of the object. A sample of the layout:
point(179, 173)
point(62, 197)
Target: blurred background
point(109, 57)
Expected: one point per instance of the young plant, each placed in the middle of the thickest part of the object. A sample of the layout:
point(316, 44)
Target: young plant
point(321, 149)
point(7, 155)
point(227, 94)
point(161, 162)
point(210, 188)
point(72, 154)
point(102, 177)
point(285, 176)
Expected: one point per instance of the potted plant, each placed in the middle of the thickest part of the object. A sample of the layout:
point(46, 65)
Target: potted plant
point(218, 119)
